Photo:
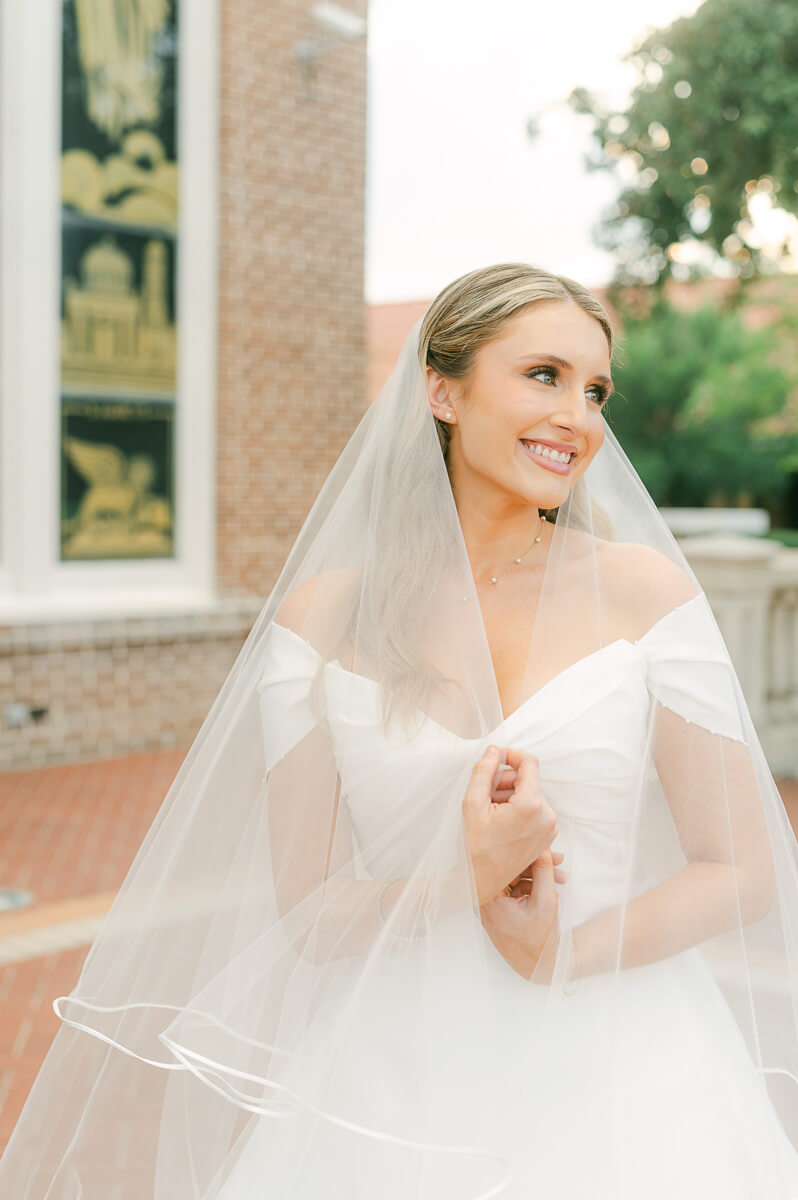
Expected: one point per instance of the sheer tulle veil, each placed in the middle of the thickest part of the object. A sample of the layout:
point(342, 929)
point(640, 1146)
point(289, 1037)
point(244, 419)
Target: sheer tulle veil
point(248, 981)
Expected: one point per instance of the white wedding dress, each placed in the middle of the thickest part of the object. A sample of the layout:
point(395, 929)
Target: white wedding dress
point(693, 1109)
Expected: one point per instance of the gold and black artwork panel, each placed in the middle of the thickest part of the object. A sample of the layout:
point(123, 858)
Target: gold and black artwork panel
point(118, 327)
point(119, 110)
point(117, 479)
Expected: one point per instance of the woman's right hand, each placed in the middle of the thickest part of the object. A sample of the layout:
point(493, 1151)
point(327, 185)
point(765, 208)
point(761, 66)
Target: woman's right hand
point(505, 836)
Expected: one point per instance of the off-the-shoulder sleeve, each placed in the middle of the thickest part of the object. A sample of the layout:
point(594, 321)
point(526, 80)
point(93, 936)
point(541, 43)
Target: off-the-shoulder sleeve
point(689, 671)
point(289, 666)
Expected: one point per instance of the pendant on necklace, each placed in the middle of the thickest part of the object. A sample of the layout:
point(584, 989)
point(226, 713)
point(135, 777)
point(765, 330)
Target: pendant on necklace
point(495, 578)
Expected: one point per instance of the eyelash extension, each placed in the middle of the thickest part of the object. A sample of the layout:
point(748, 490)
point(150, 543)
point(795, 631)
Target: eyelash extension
point(601, 388)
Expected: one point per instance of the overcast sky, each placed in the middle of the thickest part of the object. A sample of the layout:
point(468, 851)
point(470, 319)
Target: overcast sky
point(453, 180)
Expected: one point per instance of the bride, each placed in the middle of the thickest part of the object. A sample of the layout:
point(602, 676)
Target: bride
point(475, 881)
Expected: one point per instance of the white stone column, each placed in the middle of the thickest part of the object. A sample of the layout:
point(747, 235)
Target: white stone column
point(782, 740)
point(737, 575)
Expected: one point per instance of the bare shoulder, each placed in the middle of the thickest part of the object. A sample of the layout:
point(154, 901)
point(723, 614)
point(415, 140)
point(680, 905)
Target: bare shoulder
point(644, 584)
point(318, 601)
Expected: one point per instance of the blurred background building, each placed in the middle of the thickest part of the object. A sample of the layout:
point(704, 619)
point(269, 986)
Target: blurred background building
point(182, 341)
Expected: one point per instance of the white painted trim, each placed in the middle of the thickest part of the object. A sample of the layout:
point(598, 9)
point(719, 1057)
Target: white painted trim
point(31, 575)
point(9, 216)
point(198, 146)
point(29, 257)
point(143, 602)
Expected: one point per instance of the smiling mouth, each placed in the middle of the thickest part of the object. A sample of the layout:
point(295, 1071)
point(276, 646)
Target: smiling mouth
point(545, 456)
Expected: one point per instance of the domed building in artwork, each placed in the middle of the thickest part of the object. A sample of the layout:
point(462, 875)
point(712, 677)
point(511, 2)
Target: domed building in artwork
point(113, 330)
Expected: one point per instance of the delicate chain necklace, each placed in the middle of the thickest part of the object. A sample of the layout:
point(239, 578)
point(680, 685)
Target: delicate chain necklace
point(536, 539)
point(495, 578)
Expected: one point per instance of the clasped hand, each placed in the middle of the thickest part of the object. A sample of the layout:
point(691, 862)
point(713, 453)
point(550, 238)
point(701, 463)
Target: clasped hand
point(510, 829)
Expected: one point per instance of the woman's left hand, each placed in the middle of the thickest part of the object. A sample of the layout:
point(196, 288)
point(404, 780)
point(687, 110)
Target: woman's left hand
point(523, 926)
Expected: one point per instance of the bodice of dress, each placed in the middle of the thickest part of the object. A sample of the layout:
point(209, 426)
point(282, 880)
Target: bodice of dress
point(589, 727)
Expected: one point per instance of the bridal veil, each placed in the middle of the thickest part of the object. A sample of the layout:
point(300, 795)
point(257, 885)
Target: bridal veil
point(251, 972)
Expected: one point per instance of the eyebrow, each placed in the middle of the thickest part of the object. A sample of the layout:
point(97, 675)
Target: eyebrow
point(561, 362)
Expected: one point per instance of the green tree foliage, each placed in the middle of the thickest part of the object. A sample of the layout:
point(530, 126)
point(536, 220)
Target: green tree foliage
point(698, 404)
point(711, 122)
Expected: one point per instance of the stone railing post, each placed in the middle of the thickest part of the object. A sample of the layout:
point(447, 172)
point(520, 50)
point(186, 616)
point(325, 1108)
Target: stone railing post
point(737, 575)
point(782, 741)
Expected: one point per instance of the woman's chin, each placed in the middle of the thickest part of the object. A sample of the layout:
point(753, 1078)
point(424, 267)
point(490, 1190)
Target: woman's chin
point(548, 495)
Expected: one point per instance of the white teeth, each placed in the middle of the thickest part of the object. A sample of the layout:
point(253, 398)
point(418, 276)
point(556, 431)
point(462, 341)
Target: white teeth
point(547, 452)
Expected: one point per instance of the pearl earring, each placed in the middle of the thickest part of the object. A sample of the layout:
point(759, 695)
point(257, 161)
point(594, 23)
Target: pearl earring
point(450, 414)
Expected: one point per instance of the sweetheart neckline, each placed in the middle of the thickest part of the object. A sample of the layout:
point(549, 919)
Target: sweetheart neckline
point(491, 733)
point(621, 641)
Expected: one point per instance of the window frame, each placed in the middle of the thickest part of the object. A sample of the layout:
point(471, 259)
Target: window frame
point(34, 581)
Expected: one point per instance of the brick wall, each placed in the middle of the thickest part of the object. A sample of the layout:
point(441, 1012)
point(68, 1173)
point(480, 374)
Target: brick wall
point(117, 684)
point(292, 336)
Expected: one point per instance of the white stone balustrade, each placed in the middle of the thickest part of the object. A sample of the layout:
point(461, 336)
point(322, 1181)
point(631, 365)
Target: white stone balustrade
point(752, 586)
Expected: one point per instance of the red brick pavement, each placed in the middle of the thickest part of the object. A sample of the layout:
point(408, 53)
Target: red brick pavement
point(65, 832)
point(69, 833)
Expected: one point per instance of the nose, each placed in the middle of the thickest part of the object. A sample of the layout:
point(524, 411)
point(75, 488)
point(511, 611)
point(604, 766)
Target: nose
point(571, 411)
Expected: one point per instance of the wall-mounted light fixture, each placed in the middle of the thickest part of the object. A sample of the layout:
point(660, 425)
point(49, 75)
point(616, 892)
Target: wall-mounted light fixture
point(336, 24)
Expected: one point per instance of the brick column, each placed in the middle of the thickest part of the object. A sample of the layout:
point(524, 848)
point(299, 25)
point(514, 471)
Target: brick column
point(292, 325)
